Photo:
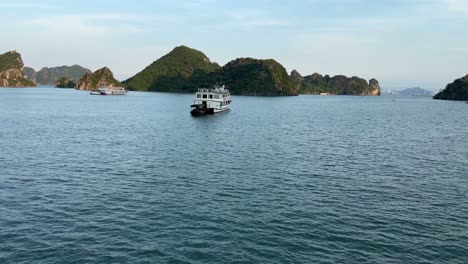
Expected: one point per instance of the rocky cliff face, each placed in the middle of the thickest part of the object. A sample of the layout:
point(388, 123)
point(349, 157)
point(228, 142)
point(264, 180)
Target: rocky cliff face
point(11, 71)
point(30, 74)
point(296, 80)
point(374, 87)
point(100, 78)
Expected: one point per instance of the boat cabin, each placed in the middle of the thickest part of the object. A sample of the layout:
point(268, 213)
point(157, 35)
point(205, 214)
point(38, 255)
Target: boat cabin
point(211, 100)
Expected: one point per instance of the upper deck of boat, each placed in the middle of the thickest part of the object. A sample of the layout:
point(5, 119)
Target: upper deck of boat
point(218, 90)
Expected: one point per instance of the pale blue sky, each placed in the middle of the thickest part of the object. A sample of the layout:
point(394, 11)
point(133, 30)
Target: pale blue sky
point(402, 43)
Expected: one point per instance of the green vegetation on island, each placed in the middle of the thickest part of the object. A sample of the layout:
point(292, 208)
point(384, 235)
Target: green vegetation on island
point(10, 60)
point(49, 76)
point(457, 90)
point(65, 83)
point(339, 84)
point(175, 72)
point(100, 78)
point(11, 71)
point(185, 69)
point(248, 76)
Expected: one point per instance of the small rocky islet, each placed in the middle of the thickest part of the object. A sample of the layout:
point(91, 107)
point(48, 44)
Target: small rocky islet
point(65, 82)
point(100, 78)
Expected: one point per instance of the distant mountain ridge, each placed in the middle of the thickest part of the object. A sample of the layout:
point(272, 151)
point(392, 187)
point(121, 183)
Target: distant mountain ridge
point(415, 91)
point(11, 71)
point(50, 76)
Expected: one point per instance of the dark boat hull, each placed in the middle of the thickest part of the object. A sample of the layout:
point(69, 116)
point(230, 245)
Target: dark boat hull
point(201, 111)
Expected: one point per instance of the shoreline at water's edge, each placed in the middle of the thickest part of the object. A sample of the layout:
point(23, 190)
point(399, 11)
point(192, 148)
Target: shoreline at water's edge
point(256, 95)
point(174, 92)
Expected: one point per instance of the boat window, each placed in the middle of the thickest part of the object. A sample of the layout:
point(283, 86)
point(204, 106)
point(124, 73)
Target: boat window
point(198, 96)
point(204, 96)
point(216, 96)
point(211, 96)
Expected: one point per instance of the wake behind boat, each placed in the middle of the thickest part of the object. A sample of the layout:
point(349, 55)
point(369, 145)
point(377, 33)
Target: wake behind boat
point(211, 100)
point(109, 91)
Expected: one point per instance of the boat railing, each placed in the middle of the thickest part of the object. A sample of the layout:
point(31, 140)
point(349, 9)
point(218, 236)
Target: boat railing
point(111, 88)
point(215, 90)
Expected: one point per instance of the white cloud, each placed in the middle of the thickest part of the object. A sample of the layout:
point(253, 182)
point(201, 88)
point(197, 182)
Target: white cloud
point(461, 49)
point(457, 5)
point(254, 18)
point(194, 4)
point(93, 24)
point(24, 5)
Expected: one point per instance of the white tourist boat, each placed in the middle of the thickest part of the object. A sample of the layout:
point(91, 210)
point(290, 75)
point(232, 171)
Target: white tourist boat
point(211, 100)
point(109, 91)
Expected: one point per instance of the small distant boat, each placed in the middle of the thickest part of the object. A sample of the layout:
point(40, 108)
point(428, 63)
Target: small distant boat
point(324, 94)
point(109, 91)
point(211, 100)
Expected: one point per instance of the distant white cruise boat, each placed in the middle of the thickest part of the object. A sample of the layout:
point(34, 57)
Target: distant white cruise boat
point(211, 100)
point(109, 91)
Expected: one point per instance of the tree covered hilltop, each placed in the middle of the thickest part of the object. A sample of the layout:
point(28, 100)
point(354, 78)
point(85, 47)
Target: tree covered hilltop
point(339, 84)
point(185, 69)
point(11, 71)
point(249, 76)
point(457, 90)
point(177, 71)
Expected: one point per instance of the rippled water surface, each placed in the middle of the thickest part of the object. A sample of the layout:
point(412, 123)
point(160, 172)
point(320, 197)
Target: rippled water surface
point(308, 179)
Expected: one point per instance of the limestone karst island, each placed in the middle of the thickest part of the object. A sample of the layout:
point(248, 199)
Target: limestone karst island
point(184, 69)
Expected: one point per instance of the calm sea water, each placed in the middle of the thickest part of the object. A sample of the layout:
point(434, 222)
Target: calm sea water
point(308, 179)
